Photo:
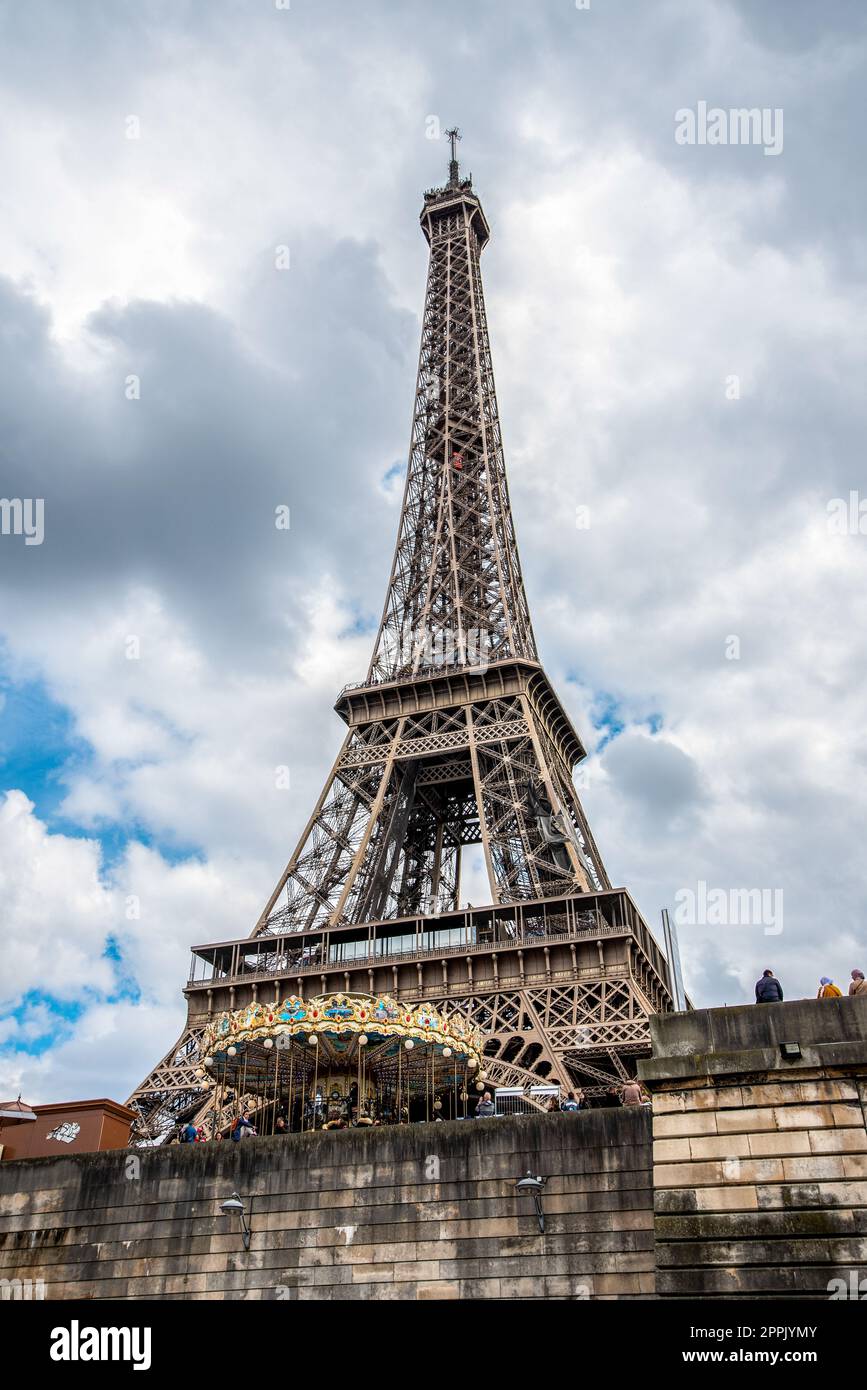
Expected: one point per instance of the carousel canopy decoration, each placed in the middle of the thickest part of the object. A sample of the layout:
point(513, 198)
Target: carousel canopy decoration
point(376, 1016)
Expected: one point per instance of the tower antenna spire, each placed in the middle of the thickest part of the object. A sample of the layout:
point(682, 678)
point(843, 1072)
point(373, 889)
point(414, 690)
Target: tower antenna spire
point(454, 136)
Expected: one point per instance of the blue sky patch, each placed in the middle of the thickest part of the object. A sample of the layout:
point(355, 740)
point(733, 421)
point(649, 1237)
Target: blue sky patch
point(59, 1018)
point(38, 744)
point(607, 718)
point(39, 754)
point(395, 471)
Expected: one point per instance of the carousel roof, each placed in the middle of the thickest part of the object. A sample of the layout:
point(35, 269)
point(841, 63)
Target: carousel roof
point(377, 1016)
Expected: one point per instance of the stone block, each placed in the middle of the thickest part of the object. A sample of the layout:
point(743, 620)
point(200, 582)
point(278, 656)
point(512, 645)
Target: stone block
point(826, 1141)
point(520, 1287)
point(734, 1198)
point(634, 1221)
point(716, 1098)
point(830, 1089)
point(770, 1093)
point(671, 1150)
point(480, 1288)
point(816, 1168)
point(777, 1143)
point(711, 1174)
point(415, 1270)
point(746, 1121)
point(789, 1196)
point(684, 1125)
point(719, 1146)
point(848, 1114)
point(436, 1250)
point(564, 1286)
point(853, 1194)
point(668, 1102)
point(372, 1274)
point(616, 1285)
point(803, 1116)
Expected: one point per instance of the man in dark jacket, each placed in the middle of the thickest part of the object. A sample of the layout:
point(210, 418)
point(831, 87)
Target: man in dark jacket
point(768, 989)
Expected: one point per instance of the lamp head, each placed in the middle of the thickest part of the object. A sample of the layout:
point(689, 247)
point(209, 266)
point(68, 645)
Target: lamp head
point(529, 1183)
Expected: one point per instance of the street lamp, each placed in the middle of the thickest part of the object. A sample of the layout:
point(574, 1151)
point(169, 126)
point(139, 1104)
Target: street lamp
point(233, 1206)
point(530, 1186)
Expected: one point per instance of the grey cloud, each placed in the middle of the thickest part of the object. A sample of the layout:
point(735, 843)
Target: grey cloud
point(662, 782)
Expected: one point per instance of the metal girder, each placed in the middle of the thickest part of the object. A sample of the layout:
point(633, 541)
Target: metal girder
point(456, 577)
point(370, 849)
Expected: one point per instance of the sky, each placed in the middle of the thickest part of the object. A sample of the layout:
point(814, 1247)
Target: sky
point(211, 280)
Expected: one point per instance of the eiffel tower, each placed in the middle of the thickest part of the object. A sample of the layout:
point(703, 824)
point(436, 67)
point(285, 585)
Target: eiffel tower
point(455, 739)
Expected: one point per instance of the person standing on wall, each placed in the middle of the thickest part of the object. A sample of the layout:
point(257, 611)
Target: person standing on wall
point(768, 989)
point(828, 990)
point(631, 1093)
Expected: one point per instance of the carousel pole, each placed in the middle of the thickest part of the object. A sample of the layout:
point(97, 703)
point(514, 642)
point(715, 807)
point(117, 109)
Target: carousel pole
point(399, 1067)
point(222, 1092)
point(303, 1088)
point(218, 1086)
point(276, 1081)
point(315, 1079)
point(291, 1072)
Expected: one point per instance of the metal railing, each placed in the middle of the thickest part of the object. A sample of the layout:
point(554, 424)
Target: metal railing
point(428, 673)
point(507, 943)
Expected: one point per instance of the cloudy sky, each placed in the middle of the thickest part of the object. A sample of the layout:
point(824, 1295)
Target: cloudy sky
point(678, 334)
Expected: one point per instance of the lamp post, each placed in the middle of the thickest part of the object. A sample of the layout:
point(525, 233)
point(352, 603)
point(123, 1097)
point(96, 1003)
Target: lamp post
point(530, 1186)
point(233, 1206)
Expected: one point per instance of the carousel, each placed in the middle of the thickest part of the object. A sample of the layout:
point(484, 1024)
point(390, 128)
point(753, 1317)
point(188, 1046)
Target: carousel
point(341, 1060)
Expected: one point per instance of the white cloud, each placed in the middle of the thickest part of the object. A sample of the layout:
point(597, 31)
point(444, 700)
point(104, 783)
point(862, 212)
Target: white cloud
point(56, 913)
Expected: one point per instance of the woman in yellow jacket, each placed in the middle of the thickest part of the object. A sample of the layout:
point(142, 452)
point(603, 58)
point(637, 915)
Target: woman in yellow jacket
point(828, 990)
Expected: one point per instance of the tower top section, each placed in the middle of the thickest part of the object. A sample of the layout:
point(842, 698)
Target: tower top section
point(453, 197)
point(456, 594)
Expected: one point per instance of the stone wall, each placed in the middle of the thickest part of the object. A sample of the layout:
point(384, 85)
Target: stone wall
point(760, 1160)
point(759, 1166)
point(426, 1211)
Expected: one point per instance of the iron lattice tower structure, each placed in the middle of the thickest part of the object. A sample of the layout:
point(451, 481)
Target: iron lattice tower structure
point(455, 738)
